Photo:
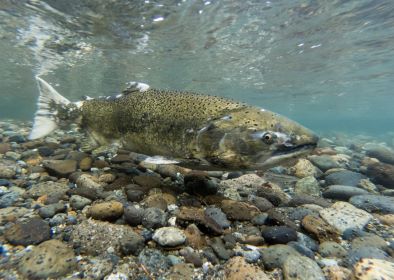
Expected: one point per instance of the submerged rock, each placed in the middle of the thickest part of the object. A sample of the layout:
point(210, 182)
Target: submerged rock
point(301, 268)
point(50, 259)
point(30, 232)
point(237, 268)
point(169, 236)
point(374, 203)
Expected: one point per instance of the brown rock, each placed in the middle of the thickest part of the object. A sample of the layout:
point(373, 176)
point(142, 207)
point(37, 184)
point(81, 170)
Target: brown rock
point(61, 168)
point(33, 231)
point(237, 268)
point(11, 214)
point(4, 147)
point(304, 168)
point(106, 210)
point(240, 211)
point(181, 271)
point(318, 227)
point(191, 214)
point(194, 237)
point(336, 273)
point(156, 201)
point(85, 164)
point(387, 219)
point(369, 269)
point(147, 181)
point(381, 173)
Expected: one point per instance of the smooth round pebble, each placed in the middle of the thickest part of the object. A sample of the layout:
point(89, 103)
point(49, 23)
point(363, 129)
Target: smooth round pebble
point(169, 236)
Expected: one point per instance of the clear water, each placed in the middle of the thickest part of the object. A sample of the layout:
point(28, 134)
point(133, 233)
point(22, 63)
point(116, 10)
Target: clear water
point(326, 64)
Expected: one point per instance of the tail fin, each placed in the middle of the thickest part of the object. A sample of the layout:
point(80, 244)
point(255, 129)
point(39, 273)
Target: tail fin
point(45, 117)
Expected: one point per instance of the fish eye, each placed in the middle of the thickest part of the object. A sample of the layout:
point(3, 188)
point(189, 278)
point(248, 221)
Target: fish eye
point(268, 138)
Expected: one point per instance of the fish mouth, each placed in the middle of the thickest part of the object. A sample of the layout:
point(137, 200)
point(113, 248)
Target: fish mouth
point(286, 153)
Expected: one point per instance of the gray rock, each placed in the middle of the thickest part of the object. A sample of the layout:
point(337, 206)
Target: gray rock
point(154, 261)
point(279, 234)
point(260, 219)
point(133, 215)
point(324, 162)
point(330, 249)
point(346, 177)
point(8, 199)
point(104, 237)
point(341, 192)
point(215, 215)
point(369, 239)
point(308, 242)
point(303, 250)
point(154, 218)
point(307, 185)
point(344, 216)
point(261, 203)
point(78, 202)
point(380, 152)
point(275, 255)
point(301, 268)
point(96, 267)
point(6, 172)
point(49, 211)
point(50, 259)
point(218, 247)
point(30, 232)
point(169, 236)
point(132, 244)
point(58, 219)
point(47, 188)
point(374, 203)
point(355, 255)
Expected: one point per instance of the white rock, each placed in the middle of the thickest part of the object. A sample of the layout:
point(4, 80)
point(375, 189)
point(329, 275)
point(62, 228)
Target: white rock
point(169, 236)
point(344, 216)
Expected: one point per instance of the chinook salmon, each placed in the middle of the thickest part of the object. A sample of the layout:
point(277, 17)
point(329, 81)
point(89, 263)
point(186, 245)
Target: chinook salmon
point(178, 125)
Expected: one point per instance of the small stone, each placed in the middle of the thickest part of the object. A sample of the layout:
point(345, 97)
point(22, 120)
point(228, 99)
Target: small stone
point(237, 268)
point(61, 168)
point(341, 192)
point(4, 182)
point(154, 218)
point(274, 256)
point(11, 214)
point(369, 239)
point(273, 195)
point(299, 200)
point(132, 244)
point(49, 211)
point(135, 195)
point(169, 236)
point(133, 215)
point(6, 172)
point(344, 216)
point(305, 168)
point(155, 262)
point(346, 177)
point(319, 228)
point(380, 152)
point(279, 235)
point(106, 235)
point(50, 259)
point(215, 215)
point(301, 268)
point(149, 182)
point(218, 247)
point(92, 194)
point(13, 155)
point(106, 210)
point(381, 173)
point(374, 203)
point(30, 232)
point(324, 162)
point(307, 185)
point(240, 211)
point(368, 269)
point(261, 203)
point(51, 189)
point(385, 219)
point(355, 255)
point(78, 202)
point(329, 249)
point(45, 151)
point(194, 237)
point(260, 219)
point(87, 181)
point(303, 250)
point(85, 164)
point(181, 271)
point(8, 199)
point(200, 184)
point(58, 219)
point(336, 273)
point(4, 147)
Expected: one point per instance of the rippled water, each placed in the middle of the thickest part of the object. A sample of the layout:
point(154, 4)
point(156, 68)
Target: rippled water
point(327, 64)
